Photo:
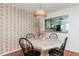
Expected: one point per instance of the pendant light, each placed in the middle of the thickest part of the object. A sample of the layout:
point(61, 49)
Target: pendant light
point(40, 12)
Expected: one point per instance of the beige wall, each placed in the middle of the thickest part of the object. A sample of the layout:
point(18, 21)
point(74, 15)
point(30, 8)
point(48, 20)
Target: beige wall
point(14, 23)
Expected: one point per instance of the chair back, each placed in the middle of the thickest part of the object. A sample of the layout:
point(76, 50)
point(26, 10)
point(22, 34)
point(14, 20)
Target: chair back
point(63, 46)
point(30, 35)
point(53, 36)
point(25, 45)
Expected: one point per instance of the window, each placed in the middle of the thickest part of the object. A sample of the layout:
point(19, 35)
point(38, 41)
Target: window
point(59, 23)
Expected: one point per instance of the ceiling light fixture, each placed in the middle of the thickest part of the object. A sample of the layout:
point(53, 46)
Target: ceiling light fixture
point(40, 12)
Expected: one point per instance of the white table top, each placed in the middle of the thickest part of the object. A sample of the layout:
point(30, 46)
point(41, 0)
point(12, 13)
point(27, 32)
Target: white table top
point(45, 43)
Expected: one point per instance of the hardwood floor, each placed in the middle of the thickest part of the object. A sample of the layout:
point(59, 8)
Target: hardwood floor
point(66, 53)
point(16, 53)
point(70, 53)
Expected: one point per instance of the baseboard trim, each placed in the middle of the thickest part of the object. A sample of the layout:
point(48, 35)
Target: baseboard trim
point(72, 50)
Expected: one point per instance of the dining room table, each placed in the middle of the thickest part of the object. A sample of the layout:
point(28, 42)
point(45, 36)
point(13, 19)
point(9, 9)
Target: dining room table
point(45, 44)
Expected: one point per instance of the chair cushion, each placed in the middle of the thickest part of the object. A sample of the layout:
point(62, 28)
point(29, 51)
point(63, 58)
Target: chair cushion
point(33, 53)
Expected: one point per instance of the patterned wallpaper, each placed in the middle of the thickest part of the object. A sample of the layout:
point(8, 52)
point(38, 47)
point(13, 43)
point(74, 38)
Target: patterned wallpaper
point(14, 23)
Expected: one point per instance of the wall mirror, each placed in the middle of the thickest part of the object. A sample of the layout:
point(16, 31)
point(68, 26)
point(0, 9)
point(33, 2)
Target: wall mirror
point(58, 24)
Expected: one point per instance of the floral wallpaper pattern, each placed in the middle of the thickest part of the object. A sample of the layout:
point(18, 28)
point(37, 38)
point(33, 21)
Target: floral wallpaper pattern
point(14, 23)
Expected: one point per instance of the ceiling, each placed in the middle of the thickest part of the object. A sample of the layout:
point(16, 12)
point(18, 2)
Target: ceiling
point(49, 7)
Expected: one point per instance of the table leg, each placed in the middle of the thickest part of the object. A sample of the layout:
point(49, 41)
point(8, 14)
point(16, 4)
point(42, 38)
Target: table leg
point(44, 53)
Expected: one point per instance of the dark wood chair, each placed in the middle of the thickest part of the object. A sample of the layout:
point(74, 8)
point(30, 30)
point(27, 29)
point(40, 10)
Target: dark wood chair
point(27, 48)
point(58, 51)
point(30, 35)
point(53, 36)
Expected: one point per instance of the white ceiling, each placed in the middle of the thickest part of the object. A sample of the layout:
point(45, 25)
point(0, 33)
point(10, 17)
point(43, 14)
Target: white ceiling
point(49, 7)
